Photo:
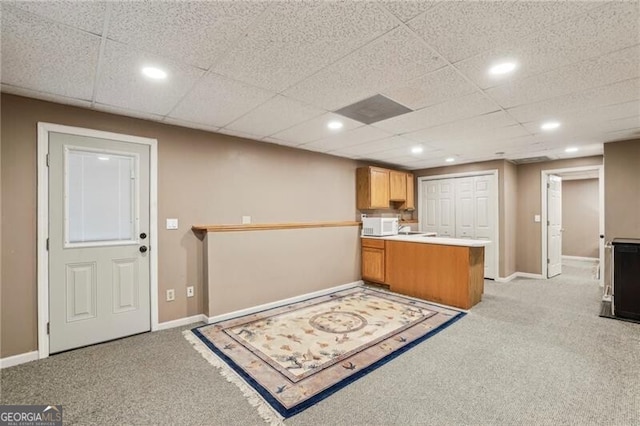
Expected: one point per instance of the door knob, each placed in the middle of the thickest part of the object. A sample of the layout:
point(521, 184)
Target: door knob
point(143, 236)
point(143, 249)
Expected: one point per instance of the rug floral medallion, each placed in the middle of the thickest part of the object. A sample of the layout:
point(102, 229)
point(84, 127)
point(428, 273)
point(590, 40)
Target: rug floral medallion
point(298, 354)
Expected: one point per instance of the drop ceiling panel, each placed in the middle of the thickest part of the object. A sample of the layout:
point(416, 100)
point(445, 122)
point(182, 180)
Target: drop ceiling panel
point(85, 15)
point(315, 129)
point(430, 89)
point(614, 67)
point(45, 56)
point(349, 138)
point(197, 33)
point(459, 30)
point(612, 94)
point(127, 112)
point(122, 84)
point(446, 112)
point(28, 93)
point(593, 34)
point(277, 114)
point(490, 123)
point(216, 101)
point(294, 40)
point(390, 60)
point(390, 143)
point(190, 124)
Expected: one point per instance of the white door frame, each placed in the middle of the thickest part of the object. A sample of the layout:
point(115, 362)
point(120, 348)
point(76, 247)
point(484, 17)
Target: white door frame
point(494, 173)
point(543, 185)
point(43, 220)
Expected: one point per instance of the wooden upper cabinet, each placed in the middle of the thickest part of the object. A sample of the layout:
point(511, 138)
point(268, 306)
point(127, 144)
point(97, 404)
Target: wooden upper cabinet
point(372, 188)
point(410, 204)
point(397, 186)
point(379, 188)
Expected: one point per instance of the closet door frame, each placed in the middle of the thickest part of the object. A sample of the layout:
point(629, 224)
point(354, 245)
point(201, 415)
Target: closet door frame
point(422, 181)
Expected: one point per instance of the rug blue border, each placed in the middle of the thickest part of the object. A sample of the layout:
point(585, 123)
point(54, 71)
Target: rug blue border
point(286, 413)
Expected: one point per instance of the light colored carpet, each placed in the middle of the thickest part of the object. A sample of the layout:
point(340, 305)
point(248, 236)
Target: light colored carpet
point(533, 352)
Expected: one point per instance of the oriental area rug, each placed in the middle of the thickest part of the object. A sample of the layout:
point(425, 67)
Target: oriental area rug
point(289, 358)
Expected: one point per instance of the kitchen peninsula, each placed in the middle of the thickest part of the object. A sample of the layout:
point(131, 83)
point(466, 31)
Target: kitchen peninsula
point(443, 270)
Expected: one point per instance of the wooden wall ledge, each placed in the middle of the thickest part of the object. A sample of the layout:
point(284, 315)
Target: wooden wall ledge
point(270, 226)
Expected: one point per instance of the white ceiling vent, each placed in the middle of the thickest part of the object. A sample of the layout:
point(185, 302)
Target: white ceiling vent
point(373, 109)
point(531, 160)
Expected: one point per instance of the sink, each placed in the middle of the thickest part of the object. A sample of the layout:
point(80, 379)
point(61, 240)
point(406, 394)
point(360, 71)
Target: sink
point(411, 233)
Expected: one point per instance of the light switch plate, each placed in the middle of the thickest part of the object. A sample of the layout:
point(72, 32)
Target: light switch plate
point(536, 218)
point(172, 223)
point(246, 220)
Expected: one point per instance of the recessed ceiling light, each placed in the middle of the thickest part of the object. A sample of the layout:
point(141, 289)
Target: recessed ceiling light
point(417, 150)
point(450, 160)
point(335, 125)
point(103, 158)
point(550, 125)
point(571, 149)
point(155, 73)
point(503, 68)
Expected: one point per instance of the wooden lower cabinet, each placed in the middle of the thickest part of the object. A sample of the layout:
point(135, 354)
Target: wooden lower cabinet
point(373, 263)
point(451, 275)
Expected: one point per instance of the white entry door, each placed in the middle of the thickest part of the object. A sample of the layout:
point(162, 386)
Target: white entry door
point(99, 286)
point(554, 225)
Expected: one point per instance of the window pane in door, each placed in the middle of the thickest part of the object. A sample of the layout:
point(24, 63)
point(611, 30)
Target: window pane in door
point(100, 194)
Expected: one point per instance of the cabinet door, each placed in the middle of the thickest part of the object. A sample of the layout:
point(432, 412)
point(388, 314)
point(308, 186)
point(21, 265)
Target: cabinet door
point(398, 186)
point(410, 204)
point(373, 264)
point(379, 188)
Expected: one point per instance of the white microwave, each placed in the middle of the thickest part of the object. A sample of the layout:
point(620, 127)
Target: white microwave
point(379, 226)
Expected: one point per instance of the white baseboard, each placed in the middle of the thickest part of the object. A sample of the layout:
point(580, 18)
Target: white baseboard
point(529, 275)
point(519, 275)
point(506, 279)
point(182, 321)
point(586, 259)
point(282, 302)
point(10, 361)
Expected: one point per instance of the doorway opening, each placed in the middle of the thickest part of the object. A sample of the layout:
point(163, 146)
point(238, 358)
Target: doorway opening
point(580, 236)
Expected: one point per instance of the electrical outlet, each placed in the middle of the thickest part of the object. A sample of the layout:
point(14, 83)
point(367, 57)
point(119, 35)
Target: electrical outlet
point(171, 295)
point(190, 291)
point(246, 220)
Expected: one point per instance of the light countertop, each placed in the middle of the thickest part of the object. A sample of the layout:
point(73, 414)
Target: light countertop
point(427, 239)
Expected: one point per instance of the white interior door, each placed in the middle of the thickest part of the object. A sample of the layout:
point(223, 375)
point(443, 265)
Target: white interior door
point(465, 208)
point(430, 211)
point(484, 220)
point(554, 225)
point(99, 286)
point(446, 208)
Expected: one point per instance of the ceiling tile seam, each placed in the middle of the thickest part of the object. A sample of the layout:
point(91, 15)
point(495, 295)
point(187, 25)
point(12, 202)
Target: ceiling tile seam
point(209, 71)
point(589, 89)
point(103, 43)
point(448, 62)
point(373, 40)
point(47, 19)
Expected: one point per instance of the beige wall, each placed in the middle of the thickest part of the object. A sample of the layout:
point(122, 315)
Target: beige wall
point(253, 268)
point(621, 194)
point(506, 203)
point(580, 215)
point(509, 207)
point(622, 189)
point(529, 248)
point(203, 178)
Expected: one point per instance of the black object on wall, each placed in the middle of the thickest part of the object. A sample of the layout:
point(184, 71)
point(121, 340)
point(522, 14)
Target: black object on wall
point(626, 278)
